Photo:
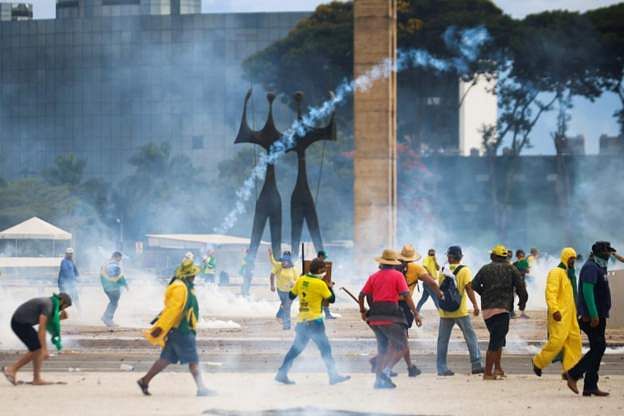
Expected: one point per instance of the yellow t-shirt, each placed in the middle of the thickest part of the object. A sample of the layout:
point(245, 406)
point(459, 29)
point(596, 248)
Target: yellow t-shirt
point(461, 280)
point(285, 278)
point(430, 264)
point(414, 271)
point(311, 292)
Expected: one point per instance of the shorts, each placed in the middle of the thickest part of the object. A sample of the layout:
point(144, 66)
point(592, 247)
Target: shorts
point(394, 335)
point(498, 326)
point(180, 348)
point(27, 334)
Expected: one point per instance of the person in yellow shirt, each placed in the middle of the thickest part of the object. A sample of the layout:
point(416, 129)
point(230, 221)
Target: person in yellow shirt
point(430, 263)
point(174, 329)
point(312, 291)
point(460, 317)
point(564, 333)
point(283, 277)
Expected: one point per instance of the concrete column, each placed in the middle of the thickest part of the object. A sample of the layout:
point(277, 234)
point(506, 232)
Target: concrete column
point(375, 132)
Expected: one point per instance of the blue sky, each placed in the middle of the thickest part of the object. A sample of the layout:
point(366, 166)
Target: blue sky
point(589, 119)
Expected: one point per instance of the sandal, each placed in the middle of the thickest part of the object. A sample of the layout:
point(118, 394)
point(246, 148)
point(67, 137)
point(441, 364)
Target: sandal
point(9, 377)
point(144, 387)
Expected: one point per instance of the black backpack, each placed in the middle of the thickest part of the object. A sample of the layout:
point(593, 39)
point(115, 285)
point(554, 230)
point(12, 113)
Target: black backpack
point(452, 298)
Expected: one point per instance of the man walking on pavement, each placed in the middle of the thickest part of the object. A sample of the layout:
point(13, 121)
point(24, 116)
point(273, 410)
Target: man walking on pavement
point(594, 304)
point(463, 277)
point(564, 334)
point(113, 280)
point(430, 263)
point(496, 283)
point(312, 291)
point(174, 329)
point(283, 278)
point(385, 317)
point(68, 277)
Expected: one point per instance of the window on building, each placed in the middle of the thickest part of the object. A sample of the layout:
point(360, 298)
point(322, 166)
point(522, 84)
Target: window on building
point(198, 142)
point(433, 100)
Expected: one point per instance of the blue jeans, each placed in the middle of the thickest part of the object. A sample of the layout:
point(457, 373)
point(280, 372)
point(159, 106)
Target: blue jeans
point(427, 292)
point(69, 287)
point(113, 297)
point(444, 335)
point(284, 310)
point(306, 331)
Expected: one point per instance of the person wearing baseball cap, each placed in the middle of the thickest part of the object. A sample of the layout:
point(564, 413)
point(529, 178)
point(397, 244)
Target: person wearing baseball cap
point(594, 304)
point(495, 283)
point(68, 277)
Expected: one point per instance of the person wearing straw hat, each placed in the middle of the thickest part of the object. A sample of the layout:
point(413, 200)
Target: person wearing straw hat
point(495, 283)
point(383, 290)
point(414, 273)
point(174, 329)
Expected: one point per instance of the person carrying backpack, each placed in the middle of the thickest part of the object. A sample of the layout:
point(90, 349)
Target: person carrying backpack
point(455, 282)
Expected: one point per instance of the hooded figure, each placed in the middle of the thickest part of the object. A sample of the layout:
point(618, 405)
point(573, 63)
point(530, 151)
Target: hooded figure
point(181, 308)
point(564, 334)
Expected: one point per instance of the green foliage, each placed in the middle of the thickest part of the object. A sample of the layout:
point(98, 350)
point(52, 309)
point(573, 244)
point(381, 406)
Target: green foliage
point(164, 193)
point(25, 198)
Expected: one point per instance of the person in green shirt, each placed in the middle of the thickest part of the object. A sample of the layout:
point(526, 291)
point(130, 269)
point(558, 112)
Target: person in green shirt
point(112, 280)
point(522, 264)
point(311, 291)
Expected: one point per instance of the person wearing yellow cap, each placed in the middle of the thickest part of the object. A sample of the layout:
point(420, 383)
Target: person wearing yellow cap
point(495, 283)
point(174, 329)
point(564, 334)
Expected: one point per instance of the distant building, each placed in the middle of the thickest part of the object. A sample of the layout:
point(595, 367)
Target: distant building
point(570, 145)
point(478, 107)
point(101, 86)
point(16, 11)
point(611, 145)
point(89, 8)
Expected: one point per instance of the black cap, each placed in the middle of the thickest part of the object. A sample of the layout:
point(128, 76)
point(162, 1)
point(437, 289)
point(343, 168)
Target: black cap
point(455, 251)
point(602, 246)
point(321, 253)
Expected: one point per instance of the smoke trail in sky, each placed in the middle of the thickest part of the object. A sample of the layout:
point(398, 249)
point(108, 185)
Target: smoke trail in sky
point(465, 43)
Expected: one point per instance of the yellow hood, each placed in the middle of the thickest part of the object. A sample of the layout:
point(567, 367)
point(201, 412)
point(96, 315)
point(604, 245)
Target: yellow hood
point(566, 254)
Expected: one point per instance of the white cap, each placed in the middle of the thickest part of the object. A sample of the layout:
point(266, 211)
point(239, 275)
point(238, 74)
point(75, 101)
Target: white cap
point(69, 250)
point(189, 256)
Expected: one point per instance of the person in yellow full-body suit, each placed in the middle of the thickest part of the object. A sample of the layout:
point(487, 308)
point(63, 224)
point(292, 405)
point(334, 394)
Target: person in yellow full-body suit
point(564, 333)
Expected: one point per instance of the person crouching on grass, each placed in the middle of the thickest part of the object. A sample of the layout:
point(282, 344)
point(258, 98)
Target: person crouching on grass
point(175, 328)
point(47, 313)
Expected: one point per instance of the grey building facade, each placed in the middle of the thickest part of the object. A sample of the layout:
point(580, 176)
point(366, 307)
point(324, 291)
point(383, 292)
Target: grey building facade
point(89, 8)
point(16, 11)
point(100, 87)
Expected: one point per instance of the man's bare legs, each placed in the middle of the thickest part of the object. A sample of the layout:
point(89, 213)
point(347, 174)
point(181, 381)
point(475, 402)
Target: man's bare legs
point(156, 368)
point(498, 370)
point(37, 358)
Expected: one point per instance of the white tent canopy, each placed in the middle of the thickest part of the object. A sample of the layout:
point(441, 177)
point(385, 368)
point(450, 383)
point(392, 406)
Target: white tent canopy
point(198, 241)
point(35, 229)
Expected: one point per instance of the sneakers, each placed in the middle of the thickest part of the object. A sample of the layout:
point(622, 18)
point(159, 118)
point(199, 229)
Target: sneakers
point(383, 382)
point(204, 392)
point(479, 370)
point(283, 378)
point(337, 378)
point(446, 373)
point(413, 371)
point(330, 317)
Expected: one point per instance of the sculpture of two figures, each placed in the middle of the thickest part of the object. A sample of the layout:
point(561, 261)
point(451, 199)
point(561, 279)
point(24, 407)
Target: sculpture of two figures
point(269, 203)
